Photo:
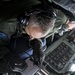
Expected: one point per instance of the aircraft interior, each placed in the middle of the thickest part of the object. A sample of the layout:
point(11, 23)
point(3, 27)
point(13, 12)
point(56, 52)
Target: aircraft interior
point(59, 57)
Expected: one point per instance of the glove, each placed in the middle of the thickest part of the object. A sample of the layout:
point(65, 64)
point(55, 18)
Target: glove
point(37, 53)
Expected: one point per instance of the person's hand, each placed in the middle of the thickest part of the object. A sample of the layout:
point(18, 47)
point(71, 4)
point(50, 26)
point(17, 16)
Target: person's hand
point(71, 25)
point(36, 45)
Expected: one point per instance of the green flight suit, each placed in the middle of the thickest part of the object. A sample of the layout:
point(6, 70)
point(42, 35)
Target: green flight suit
point(59, 24)
point(9, 26)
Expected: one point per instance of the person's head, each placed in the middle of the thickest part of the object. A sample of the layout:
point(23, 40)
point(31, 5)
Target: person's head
point(40, 24)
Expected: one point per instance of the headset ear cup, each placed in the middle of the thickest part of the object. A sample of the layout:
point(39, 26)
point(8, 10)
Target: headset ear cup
point(24, 20)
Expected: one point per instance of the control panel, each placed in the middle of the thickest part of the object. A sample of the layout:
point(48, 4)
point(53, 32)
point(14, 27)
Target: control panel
point(61, 53)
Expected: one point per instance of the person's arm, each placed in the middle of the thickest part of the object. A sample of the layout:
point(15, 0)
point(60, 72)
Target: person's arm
point(67, 23)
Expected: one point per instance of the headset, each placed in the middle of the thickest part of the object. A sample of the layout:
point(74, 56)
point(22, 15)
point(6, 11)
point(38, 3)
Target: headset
point(48, 13)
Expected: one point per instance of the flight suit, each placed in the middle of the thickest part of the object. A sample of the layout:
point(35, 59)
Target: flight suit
point(9, 26)
point(60, 24)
